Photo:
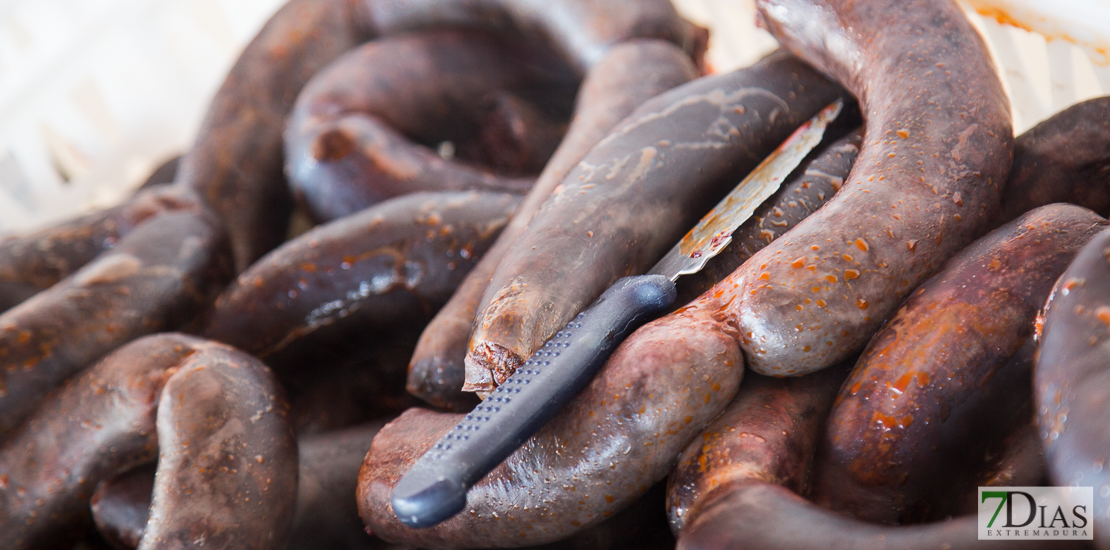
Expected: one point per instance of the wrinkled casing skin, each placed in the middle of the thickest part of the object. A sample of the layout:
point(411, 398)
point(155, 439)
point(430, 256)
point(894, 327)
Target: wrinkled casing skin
point(936, 153)
point(610, 91)
point(161, 276)
point(632, 197)
point(768, 433)
point(1072, 381)
point(937, 381)
point(385, 267)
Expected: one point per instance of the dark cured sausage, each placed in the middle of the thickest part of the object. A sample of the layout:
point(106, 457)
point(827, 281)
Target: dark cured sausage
point(735, 487)
point(938, 378)
point(769, 432)
point(32, 263)
point(348, 146)
point(227, 458)
point(1071, 380)
point(1063, 159)
point(765, 516)
point(632, 197)
point(815, 181)
point(606, 448)
point(610, 91)
point(325, 516)
point(386, 267)
point(159, 277)
point(151, 397)
point(582, 31)
point(935, 155)
point(236, 163)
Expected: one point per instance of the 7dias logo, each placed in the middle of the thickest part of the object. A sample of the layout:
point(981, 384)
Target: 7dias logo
point(1039, 513)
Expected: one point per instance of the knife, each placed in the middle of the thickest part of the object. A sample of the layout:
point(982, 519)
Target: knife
point(435, 488)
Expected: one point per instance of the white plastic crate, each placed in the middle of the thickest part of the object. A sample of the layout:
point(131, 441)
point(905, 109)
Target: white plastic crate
point(95, 93)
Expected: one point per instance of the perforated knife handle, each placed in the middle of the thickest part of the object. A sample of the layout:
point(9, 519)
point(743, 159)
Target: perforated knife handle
point(435, 488)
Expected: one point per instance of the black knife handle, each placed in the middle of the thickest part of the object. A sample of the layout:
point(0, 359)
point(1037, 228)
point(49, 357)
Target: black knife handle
point(434, 489)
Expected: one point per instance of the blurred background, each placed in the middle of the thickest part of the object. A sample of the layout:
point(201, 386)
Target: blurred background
point(95, 94)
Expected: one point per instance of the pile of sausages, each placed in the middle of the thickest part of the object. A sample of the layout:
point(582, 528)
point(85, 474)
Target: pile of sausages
point(921, 309)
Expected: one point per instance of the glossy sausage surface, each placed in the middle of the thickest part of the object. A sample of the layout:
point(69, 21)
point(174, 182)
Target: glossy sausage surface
point(935, 155)
point(610, 91)
point(942, 376)
point(1072, 382)
point(386, 267)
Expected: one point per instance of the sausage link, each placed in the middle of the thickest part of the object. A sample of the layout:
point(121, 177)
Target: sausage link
point(610, 91)
point(1063, 159)
point(32, 263)
point(1071, 381)
point(227, 457)
point(325, 517)
point(347, 144)
point(765, 516)
point(632, 197)
point(768, 433)
point(582, 31)
point(606, 448)
point(116, 416)
point(236, 163)
point(938, 379)
point(383, 268)
point(159, 277)
point(936, 151)
point(815, 181)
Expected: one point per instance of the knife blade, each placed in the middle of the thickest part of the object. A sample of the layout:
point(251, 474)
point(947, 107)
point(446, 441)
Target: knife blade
point(435, 488)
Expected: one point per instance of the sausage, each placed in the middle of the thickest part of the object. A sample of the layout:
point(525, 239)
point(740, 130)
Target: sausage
point(767, 516)
point(127, 410)
point(812, 183)
point(347, 144)
point(936, 152)
point(582, 31)
point(1070, 379)
point(942, 375)
point(631, 198)
point(1063, 159)
point(326, 516)
point(610, 91)
point(161, 276)
point(236, 163)
point(606, 448)
point(227, 457)
point(768, 433)
point(381, 269)
point(32, 263)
